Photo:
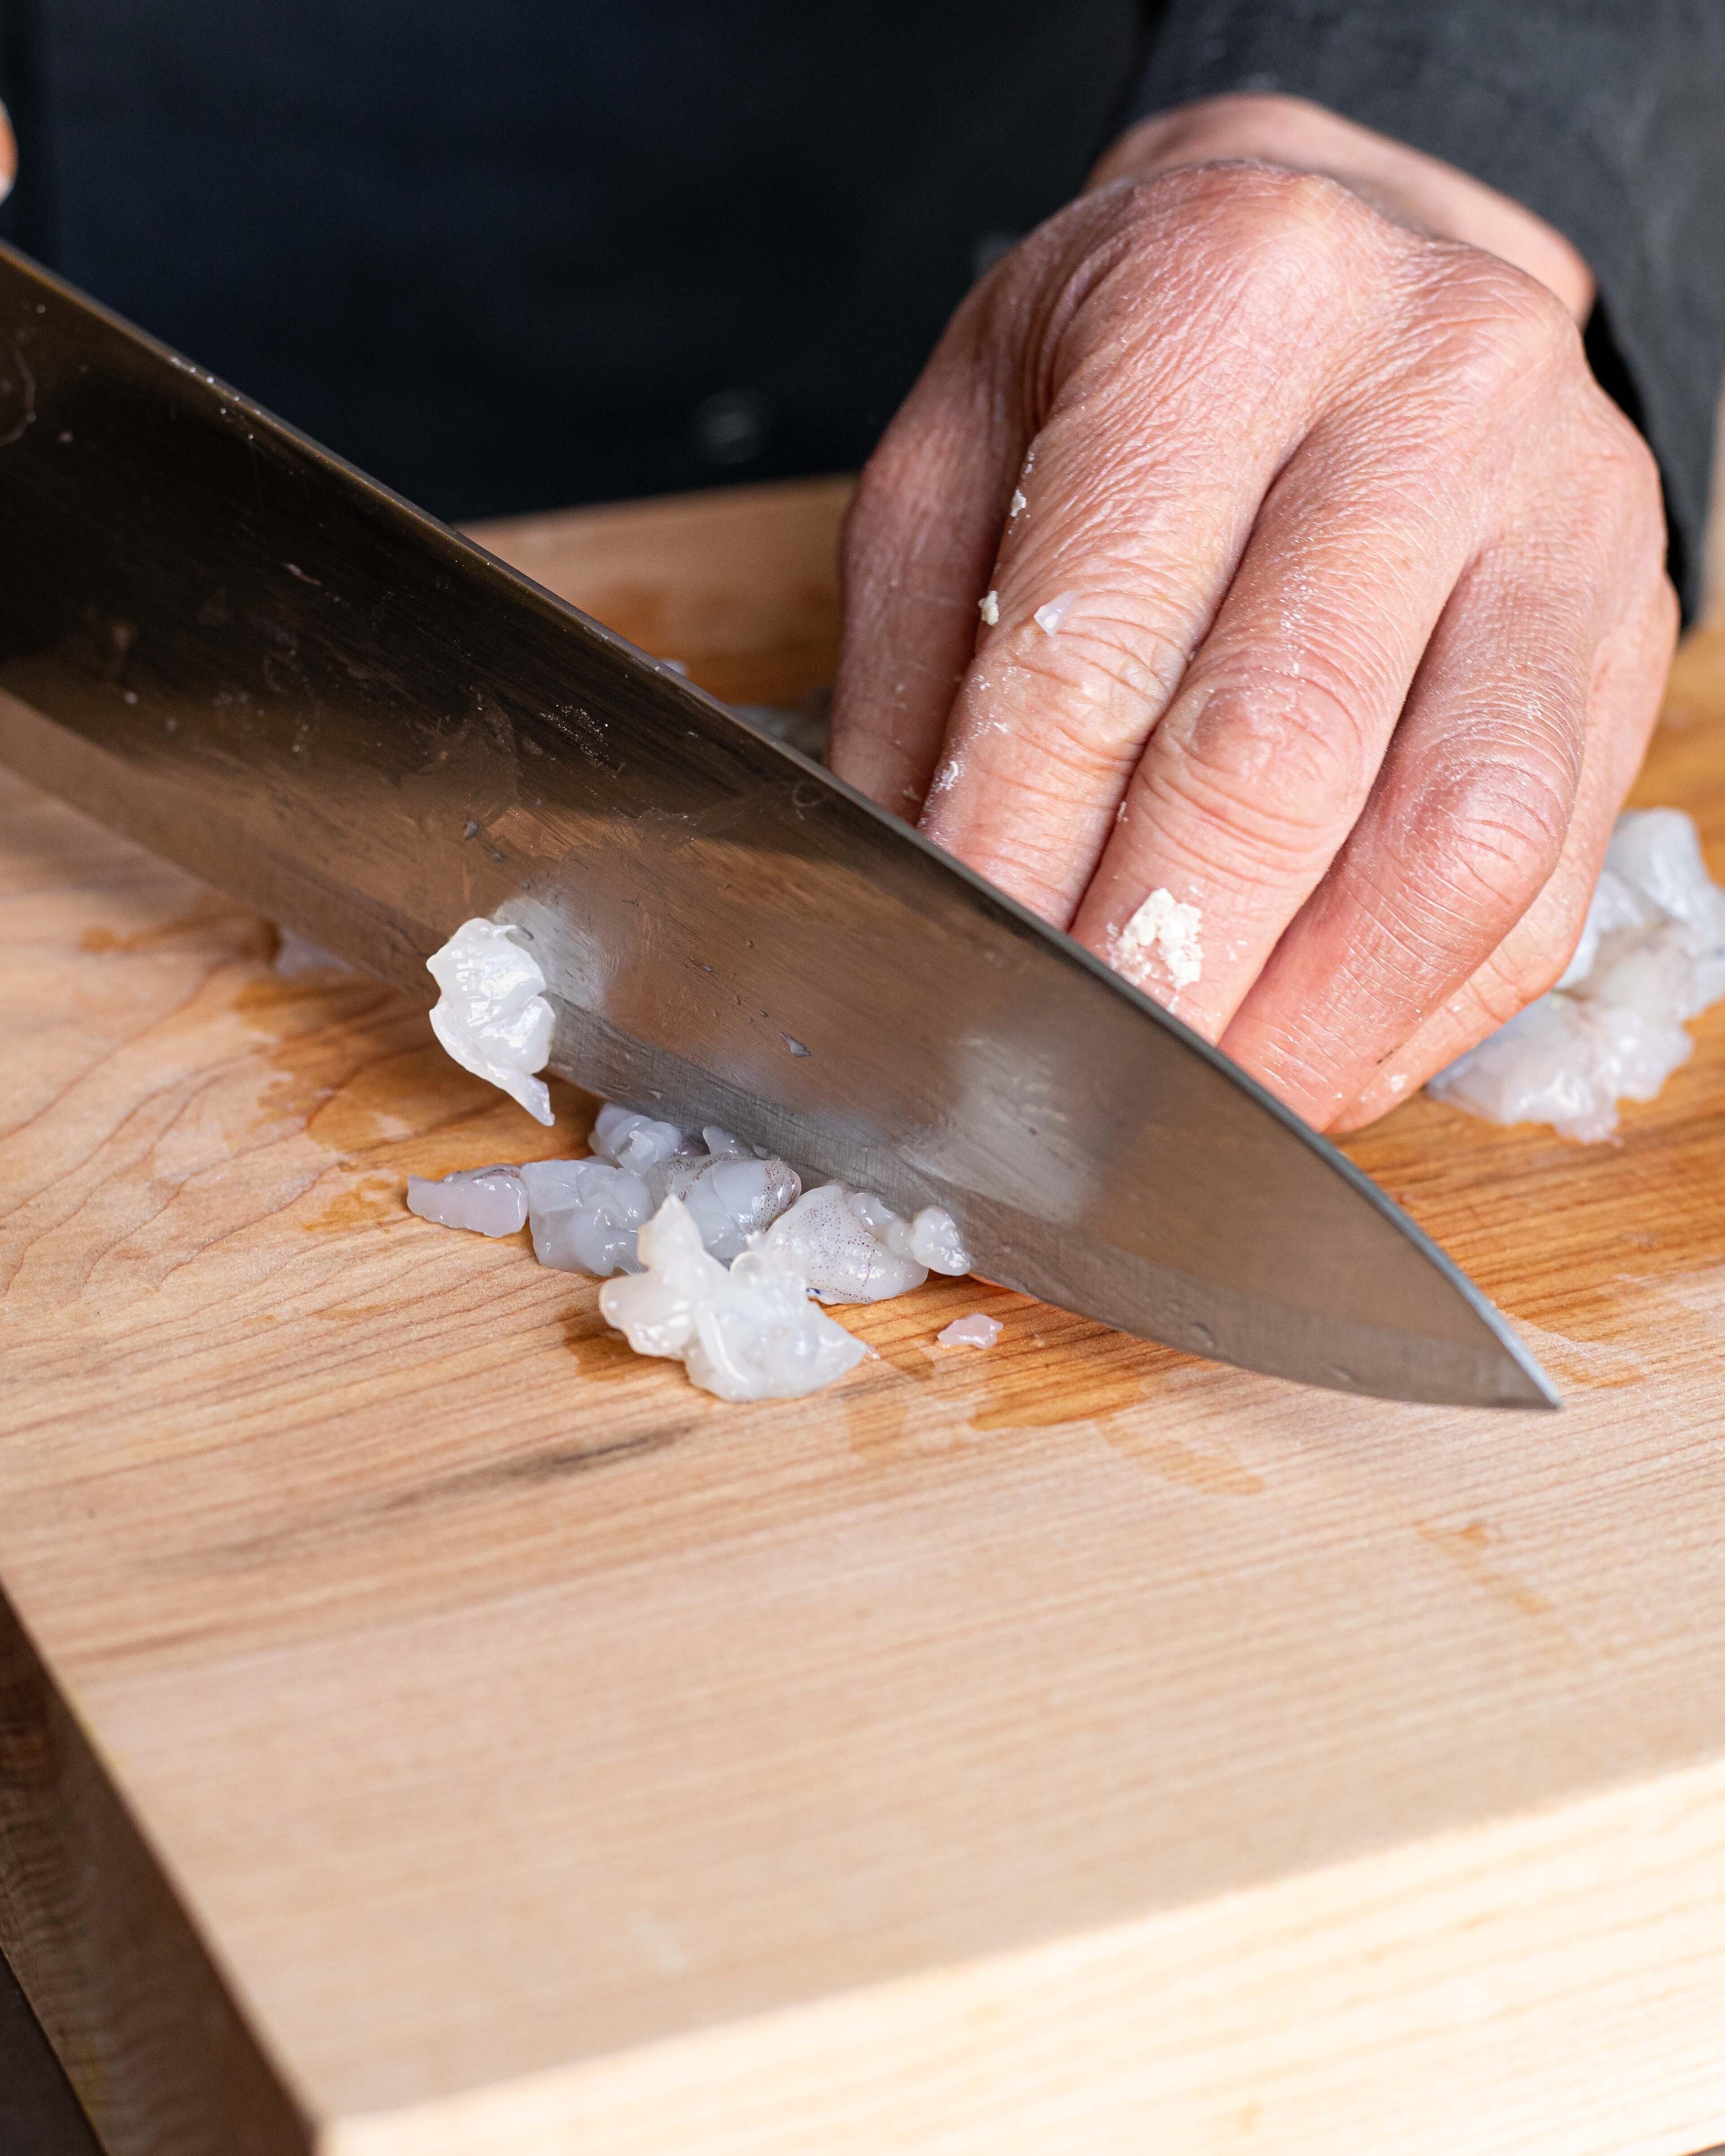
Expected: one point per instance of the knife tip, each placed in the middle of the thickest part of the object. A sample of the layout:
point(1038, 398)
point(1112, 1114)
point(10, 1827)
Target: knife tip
point(1522, 1384)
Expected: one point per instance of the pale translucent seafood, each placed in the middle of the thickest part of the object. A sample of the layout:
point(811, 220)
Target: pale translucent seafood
point(979, 1330)
point(1657, 852)
point(492, 1015)
point(629, 1139)
point(730, 1199)
point(852, 1247)
point(748, 1331)
point(837, 1239)
point(1567, 1061)
point(935, 1242)
point(1652, 954)
point(490, 1201)
point(584, 1214)
point(649, 1187)
point(722, 1145)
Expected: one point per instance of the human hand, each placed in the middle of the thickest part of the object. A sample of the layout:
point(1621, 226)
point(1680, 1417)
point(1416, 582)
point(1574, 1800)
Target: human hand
point(1329, 590)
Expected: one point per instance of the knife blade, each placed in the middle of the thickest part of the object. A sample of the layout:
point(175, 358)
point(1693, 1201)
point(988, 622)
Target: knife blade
point(221, 640)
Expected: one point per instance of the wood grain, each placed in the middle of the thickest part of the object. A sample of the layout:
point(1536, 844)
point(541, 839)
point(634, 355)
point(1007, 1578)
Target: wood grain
point(1070, 1747)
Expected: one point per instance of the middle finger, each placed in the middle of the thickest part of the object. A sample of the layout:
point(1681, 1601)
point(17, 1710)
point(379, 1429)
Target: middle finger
point(1255, 775)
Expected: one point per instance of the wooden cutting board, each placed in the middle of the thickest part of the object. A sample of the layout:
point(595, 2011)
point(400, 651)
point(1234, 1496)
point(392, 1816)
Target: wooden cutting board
point(428, 1730)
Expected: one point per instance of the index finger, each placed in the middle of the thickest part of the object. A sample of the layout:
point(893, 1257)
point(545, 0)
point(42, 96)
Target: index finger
point(1032, 441)
point(919, 540)
point(1107, 582)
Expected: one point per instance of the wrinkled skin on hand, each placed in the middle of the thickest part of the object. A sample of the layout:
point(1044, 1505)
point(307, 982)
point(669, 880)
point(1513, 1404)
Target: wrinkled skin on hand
point(1365, 618)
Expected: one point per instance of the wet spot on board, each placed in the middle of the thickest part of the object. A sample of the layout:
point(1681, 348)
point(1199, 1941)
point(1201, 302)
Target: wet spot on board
point(373, 1202)
point(901, 1329)
point(1047, 1395)
point(267, 995)
point(876, 1403)
point(1051, 1369)
point(290, 1100)
point(334, 1076)
point(296, 1005)
point(1589, 1365)
point(603, 1357)
point(354, 1067)
point(412, 1093)
point(910, 1360)
point(1469, 1547)
point(1048, 1368)
point(385, 1101)
point(256, 939)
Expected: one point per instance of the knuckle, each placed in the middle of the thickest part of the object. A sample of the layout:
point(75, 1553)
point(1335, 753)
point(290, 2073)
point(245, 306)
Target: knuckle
point(1303, 207)
point(1512, 978)
point(1304, 232)
point(1502, 328)
point(1096, 685)
point(1498, 826)
point(1615, 499)
point(1103, 656)
point(1490, 1000)
point(1542, 330)
point(1615, 447)
point(1632, 464)
point(1279, 757)
point(1299, 223)
point(1667, 616)
point(1533, 957)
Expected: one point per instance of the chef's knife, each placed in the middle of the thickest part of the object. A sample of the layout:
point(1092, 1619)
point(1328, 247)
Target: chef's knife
point(221, 640)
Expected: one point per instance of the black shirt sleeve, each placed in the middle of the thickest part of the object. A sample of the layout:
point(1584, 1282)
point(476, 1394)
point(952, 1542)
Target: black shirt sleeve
point(1606, 117)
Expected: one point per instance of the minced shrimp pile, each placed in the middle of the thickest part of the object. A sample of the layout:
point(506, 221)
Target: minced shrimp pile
point(714, 1254)
point(712, 1251)
point(1652, 955)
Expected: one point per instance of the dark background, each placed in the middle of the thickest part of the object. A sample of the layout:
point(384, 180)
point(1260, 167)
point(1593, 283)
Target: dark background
point(520, 257)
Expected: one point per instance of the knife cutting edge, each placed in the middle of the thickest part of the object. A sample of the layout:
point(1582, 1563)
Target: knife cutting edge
point(219, 638)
